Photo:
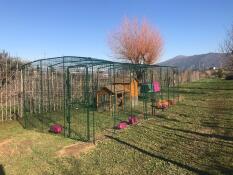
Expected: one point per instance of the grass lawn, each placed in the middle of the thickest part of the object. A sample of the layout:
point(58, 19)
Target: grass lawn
point(103, 120)
point(192, 137)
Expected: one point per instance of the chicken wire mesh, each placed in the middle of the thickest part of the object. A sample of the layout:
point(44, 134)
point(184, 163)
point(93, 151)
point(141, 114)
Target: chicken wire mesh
point(89, 96)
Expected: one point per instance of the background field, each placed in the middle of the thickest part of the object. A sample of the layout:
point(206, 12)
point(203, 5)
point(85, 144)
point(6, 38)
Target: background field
point(192, 137)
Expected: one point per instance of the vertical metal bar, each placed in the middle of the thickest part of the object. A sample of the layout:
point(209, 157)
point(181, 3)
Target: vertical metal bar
point(152, 97)
point(124, 90)
point(24, 102)
point(97, 79)
point(41, 87)
point(146, 94)
point(87, 104)
point(41, 94)
point(161, 83)
point(114, 113)
point(48, 90)
point(38, 89)
point(110, 69)
point(52, 90)
point(68, 101)
point(131, 97)
point(93, 96)
point(71, 88)
point(22, 94)
point(64, 95)
point(97, 88)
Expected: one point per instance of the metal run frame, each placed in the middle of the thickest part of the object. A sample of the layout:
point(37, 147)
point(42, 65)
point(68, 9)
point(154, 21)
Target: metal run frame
point(87, 96)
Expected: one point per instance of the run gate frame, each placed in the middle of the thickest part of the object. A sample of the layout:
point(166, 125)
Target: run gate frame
point(64, 65)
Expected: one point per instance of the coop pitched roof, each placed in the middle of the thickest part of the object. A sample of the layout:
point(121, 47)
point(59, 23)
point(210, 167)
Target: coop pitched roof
point(118, 88)
point(123, 80)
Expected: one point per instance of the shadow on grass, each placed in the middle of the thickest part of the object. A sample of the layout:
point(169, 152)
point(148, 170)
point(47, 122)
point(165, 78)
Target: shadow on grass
point(208, 88)
point(227, 138)
point(162, 116)
point(42, 124)
point(187, 139)
point(222, 144)
point(185, 92)
point(189, 168)
point(216, 151)
point(218, 109)
point(215, 126)
point(2, 171)
point(20, 121)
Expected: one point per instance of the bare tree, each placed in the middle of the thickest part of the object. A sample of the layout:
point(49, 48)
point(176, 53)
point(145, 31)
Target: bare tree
point(227, 47)
point(137, 43)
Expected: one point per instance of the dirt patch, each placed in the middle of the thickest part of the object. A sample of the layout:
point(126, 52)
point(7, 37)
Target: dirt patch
point(10, 147)
point(75, 150)
point(26, 143)
point(5, 147)
point(24, 146)
point(4, 142)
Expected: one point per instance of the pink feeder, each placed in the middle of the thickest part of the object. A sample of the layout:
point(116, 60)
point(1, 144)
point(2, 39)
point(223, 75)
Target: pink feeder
point(133, 120)
point(122, 125)
point(156, 86)
point(56, 128)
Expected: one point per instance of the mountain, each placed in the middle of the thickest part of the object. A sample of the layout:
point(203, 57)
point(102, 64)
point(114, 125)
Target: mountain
point(202, 61)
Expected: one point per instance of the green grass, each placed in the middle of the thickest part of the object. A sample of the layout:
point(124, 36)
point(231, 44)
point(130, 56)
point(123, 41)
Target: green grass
point(99, 120)
point(29, 152)
point(102, 120)
point(192, 137)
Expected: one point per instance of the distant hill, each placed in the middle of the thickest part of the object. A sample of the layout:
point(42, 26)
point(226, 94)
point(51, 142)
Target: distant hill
point(202, 61)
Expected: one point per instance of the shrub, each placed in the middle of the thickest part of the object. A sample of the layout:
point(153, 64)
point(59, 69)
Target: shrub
point(229, 77)
point(219, 73)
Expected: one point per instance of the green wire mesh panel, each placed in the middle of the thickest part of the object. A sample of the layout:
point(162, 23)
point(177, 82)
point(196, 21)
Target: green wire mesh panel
point(89, 96)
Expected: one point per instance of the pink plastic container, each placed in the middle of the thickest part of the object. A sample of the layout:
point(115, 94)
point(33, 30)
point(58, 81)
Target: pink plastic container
point(122, 125)
point(56, 128)
point(156, 86)
point(132, 120)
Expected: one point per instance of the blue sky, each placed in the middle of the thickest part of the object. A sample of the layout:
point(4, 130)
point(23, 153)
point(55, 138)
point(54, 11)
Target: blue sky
point(35, 29)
